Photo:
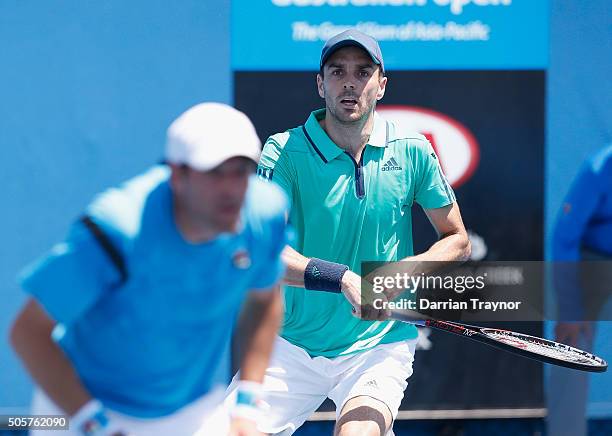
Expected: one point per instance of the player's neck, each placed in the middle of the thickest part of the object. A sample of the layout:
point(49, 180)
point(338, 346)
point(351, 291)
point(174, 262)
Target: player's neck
point(192, 230)
point(351, 137)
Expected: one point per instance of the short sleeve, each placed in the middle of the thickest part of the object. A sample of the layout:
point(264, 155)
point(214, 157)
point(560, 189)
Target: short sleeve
point(271, 267)
point(274, 164)
point(72, 277)
point(432, 190)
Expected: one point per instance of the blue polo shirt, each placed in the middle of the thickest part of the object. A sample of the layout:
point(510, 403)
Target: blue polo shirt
point(584, 222)
point(151, 345)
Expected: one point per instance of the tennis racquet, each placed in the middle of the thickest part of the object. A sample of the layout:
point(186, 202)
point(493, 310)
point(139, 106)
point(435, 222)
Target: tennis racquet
point(528, 346)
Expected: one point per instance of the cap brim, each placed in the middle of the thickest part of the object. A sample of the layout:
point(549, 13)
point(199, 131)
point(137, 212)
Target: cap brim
point(207, 163)
point(346, 43)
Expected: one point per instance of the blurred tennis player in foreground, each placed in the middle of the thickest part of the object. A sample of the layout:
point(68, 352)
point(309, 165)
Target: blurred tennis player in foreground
point(130, 315)
point(352, 178)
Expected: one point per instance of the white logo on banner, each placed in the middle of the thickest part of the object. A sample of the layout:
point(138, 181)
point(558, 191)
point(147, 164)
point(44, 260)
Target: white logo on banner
point(456, 6)
point(454, 144)
point(410, 31)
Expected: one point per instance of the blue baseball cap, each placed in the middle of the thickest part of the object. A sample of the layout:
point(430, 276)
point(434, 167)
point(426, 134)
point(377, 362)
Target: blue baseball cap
point(352, 37)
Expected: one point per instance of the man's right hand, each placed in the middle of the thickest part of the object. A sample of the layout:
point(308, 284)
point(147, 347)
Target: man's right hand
point(363, 302)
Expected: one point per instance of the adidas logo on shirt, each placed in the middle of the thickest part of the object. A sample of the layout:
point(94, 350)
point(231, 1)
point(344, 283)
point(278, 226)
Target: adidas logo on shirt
point(391, 165)
point(372, 384)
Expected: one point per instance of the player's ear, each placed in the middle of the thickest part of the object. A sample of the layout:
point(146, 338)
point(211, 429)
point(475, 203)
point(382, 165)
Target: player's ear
point(382, 86)
point(320, 87)
point(177, 177)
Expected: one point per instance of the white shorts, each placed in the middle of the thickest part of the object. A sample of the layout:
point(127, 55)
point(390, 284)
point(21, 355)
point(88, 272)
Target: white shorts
point(206, 414)
point(296, 384)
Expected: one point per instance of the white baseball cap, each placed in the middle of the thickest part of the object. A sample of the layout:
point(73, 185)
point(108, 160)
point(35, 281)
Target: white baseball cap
point(208, 134)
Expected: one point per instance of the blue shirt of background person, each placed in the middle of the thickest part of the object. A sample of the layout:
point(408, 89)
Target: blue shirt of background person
point(583, 223)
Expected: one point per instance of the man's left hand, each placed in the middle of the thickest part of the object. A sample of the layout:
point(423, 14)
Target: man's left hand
point(244, 427)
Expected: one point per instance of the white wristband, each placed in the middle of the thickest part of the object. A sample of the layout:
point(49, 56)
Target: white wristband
point(248, 400)
point(89, 409)
point(90, 419)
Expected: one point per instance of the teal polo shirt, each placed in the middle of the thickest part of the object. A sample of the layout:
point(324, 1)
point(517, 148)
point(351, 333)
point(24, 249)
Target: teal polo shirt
point(350, 212)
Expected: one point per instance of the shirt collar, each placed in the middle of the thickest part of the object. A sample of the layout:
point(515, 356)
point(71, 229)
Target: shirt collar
point(379, 135)
point(325, 146)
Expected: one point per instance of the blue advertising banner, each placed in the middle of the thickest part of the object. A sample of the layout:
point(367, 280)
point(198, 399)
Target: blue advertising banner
point(413, 34)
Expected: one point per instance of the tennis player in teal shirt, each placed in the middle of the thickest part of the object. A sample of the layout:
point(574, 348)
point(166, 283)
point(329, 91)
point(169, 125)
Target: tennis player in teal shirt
point(352, 178)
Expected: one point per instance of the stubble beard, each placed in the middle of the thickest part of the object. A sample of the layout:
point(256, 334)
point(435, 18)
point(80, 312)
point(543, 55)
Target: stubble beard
point(348, 119)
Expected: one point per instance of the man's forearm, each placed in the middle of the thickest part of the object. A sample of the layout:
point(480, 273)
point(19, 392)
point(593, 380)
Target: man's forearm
point(45, 361)
point(452, 246)
point(331, 276)
point(296, 265)
point(455, 247)
point(445, 253)
point(259, 327)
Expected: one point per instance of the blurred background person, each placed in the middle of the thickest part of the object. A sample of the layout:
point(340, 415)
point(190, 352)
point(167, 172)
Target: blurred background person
point(583, 232)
